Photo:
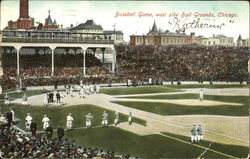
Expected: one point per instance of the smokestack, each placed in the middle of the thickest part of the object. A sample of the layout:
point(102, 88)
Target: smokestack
point(24, 9)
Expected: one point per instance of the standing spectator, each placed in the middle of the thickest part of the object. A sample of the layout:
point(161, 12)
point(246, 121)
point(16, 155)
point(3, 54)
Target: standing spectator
point(130, 118)
point(201, 95)
point(200, 133)
point(45, 122)
point(58, 97)
point(9, 118)
point(89, 118)
point(60, 133)
point(116, 118)
point(28, 121)
point(194, 134)
point(69, 121)
point(6, 99)
point(33, 128)
point(49, 132)
point(25, 98)
point(105, 119)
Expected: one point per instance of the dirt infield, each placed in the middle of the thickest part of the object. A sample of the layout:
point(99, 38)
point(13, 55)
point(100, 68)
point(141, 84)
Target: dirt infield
point(222, 129)
point(183, 102)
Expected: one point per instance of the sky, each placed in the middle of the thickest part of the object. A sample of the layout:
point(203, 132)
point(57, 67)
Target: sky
point(104, 12)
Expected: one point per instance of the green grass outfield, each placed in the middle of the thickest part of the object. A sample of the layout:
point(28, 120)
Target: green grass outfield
point(150, 146)
point(176, 109)
point(137, 90)
point(15, 95)
point(58, 114)
point(183, 86)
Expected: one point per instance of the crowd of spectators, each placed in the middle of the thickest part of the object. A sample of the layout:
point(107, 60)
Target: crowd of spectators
point(17, 144)
point(138, 63)
point(179, 63)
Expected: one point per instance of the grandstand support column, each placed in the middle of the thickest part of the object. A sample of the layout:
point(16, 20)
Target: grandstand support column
point(114, 59)
point(84, 61)
point(52, 61)
point(17, 58)
point(103, 50)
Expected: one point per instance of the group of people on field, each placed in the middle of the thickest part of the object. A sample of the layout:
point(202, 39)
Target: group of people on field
point(197, 133)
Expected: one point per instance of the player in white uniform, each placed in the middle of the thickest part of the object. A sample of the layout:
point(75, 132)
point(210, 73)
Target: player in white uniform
point(62, 102)
point(45, 100)
point(130, 118)
point(28, 121)
point(116, 118)
point(200, 133)
point(105, 118)
point(194, 134)
point(25, 99)
point(81, 93)
point(97, 88)
point(3, 119)
point(89, 118)
point(45, 122)
point(6, 99)
point(69, 121)
point(13, 114)
point(201, 95)
point(71, 91)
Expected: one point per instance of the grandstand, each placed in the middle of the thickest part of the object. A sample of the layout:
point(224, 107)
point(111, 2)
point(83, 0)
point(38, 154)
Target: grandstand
point(138, 63)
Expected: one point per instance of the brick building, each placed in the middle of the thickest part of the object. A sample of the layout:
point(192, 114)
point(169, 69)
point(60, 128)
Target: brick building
point(24, 21)
point(158, 38)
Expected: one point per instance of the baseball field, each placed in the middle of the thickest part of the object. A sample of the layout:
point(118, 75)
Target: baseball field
point(162, 119)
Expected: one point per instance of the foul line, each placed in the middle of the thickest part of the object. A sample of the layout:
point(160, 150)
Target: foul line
point(205, 150)
point(221, 153)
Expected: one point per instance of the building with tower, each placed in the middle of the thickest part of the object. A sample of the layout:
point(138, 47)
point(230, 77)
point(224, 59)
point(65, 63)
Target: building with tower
point(24, 21)
point(243, 42)
point(157, 37)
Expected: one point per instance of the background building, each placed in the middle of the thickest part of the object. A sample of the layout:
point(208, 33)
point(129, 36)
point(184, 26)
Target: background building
point(91, 27)
point(243, 42)
point(24, 21)
point(158, 38)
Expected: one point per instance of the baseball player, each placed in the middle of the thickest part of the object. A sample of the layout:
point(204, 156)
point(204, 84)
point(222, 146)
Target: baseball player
point(105, 119)
point(69, 121)
point(25, 98)
point(130, 118)
point(200, 133)
point(3, 119)
point(194, 134)
point(45, 99)
point(45, 122)
point(71, 91)
point(28, 121)
point(13, 115)
point(116, 118)
point(97, 88)
point(6, 99)
point(201, 95)
point(89, 118)
point(81, 93)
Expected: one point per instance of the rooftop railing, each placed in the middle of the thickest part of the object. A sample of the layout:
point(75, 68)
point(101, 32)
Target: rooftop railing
point(56, 40)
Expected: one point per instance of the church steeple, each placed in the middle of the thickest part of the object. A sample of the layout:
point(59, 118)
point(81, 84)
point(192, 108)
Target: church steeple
point(154, 28)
